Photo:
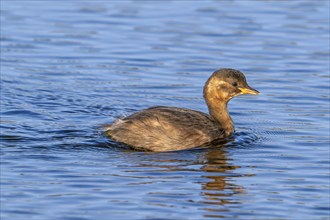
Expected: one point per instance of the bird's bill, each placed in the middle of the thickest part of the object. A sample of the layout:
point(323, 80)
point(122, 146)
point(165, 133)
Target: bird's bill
point(249, 90)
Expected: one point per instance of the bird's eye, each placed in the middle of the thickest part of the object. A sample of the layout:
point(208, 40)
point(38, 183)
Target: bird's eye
point(234, 84)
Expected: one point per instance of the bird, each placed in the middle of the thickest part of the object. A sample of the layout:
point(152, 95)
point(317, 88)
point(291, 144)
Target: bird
point(162, 128)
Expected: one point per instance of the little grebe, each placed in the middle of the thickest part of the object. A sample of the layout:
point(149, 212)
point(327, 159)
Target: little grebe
point(169, 128)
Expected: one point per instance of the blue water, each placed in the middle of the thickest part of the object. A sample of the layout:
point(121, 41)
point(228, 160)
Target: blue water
point(69, 67)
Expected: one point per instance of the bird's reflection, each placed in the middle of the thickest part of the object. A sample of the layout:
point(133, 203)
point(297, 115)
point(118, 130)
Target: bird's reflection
point(220, 174)
point(210, 167)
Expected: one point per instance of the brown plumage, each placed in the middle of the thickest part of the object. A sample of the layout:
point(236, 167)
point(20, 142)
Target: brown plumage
point(168, 128)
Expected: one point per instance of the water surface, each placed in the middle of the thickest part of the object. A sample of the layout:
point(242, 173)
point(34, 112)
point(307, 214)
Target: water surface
point(69, 67)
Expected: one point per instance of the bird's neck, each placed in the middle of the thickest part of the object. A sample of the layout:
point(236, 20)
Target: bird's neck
point(219, 112)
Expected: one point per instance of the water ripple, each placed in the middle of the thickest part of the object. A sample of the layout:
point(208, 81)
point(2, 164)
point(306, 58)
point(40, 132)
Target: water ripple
point(68, 68)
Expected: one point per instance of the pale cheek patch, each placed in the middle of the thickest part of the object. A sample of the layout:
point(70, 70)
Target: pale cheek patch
point(222, 85)
point(217, 89)
point(223, 88)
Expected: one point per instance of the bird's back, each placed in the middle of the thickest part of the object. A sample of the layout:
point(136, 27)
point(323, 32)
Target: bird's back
point(165, 129)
